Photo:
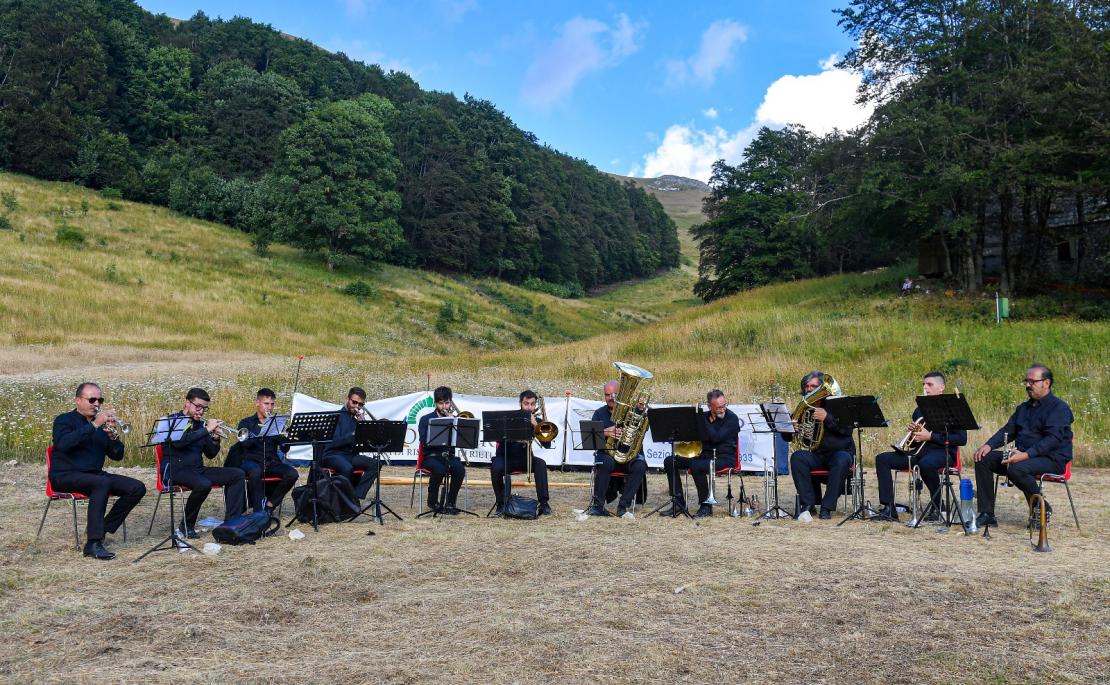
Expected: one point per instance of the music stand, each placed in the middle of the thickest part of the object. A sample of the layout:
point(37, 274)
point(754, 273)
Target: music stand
point(270, 428)
point(317, 429)
point(861, 411)
point(381, 437)
point(164, 429)
point(949, 413)
point(676, 424)
point(775, 420)
point(514, 425)
point(456, 433)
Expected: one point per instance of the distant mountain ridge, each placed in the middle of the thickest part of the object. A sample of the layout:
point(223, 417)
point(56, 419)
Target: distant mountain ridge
point(680, 196)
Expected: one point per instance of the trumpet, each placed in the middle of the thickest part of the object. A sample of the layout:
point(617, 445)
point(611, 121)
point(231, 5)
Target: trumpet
point(907, 445)
point(115, 427)
point(225, 431)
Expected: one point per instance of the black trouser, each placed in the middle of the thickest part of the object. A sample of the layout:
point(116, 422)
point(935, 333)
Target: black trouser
point(272, 491)
point(1023, 474)
point(699, 469)
point(636, 470)
point(200, 482)
point(345, 465)
point(518, 463)
point(930, 463)
point(99, 486)
point(438, 466)
point(803, 463)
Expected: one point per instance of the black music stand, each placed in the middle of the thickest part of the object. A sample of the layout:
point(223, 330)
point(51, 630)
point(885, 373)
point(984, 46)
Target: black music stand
point(861, 411)
point(270, 428)
point(160, 433)
point(457, 433)
point(676, 424)
point(317, 429)
point(380, 437)
point(505, 426)
point(949, 413)
point(775, 419)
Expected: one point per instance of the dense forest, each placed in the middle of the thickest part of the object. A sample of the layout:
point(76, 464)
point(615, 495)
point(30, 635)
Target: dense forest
point(990, 137)
point(235, 122)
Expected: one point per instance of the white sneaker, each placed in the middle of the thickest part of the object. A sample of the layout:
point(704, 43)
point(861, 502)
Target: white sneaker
point(805, 517)
point(629, 516)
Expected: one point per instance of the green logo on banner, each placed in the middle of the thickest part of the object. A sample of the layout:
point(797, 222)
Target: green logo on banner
point(415, 409)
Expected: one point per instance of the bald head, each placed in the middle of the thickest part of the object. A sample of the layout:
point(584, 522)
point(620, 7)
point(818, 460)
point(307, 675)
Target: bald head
point(610, 390)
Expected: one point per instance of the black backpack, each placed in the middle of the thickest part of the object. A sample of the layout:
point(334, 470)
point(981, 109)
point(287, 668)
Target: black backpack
point(246, 529)
point(336, 500)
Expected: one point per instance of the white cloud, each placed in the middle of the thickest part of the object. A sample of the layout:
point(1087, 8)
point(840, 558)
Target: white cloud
point(453, 11)
point(583, 46)
point(356, 8)
point(710, 113)
point(716, 52)
point(820, 102)
point(360, 50)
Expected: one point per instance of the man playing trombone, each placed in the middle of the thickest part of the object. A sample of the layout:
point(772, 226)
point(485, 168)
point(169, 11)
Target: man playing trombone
point(441, 460)
point(518, 461)
point(262, 457)
point(937, 452)
point(339, 455)
point(722, 427)
point(81, 440)
point(183, 458)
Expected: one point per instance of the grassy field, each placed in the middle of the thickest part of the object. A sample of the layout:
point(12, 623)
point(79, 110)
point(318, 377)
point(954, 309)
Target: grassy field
point(461, 600)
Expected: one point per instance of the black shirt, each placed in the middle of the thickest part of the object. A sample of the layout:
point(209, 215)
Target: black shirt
point(343, 440)
point(187, 451)
point(1040, 428)
point(257, 449)
point(722, 436)
point(80, 446)
point(936, 444)
point(603, 414)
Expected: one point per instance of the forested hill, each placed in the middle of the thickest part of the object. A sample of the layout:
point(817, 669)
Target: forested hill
point(235, 122)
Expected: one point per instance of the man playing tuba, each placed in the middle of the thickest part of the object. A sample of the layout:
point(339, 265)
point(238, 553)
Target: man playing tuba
point(636, 468)
point(833, 452)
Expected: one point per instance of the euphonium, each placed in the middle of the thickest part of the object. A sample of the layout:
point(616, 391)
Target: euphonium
point(809, 431)
point(629, 413)
point(544, 430)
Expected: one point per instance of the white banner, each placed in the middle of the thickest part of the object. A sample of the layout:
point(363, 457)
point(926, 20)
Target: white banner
point(409, 408)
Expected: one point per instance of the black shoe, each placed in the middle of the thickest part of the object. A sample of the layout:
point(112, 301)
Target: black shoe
point(499, 510)
point(985, 519)
point(674, 510)
point(933, 517)
point(621, 509)
point(825, 514)
point(812, 510)
point(886, 513)
point(704, 511)
point(96, 550)
point(545, 509)
point(451, 510)
point(186, 532)
point(597, 510)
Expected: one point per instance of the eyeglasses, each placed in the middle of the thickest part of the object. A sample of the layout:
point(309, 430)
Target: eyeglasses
point(95, 400)
point(1031, 381)
point(201, 408)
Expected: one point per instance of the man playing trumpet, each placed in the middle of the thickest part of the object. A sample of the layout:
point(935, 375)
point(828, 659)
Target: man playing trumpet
point(261, 457)
point(937, 452)
point(441, 460)
point(517, 460)
point(81, 439)
point(184, 460)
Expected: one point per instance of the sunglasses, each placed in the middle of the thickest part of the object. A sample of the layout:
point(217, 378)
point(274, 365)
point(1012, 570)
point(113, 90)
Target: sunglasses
point(95, 400)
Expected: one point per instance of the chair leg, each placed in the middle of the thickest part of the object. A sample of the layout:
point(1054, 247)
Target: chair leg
point(153, 514)
point(76, 537)
point(466, 490)
point(125, 530)
point(1072, 503)
point(49, 501)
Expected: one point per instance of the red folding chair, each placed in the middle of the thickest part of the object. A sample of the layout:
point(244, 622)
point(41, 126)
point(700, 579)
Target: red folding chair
point(73, 497)
point(955, 470)
point(164, 490)
point(418, 479)
point(1064, 478)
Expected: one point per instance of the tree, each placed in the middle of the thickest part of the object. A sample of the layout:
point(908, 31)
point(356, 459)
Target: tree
point(338, 174)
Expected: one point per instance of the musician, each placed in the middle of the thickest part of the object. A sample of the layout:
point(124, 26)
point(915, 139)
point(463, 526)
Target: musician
point(183, 459)
point(81, 439)
point(636, 469)
point(262, 456)
point(722, 429)
point(518, 461)
point(833, 454)
point(339, 455)
point(1041, 431)
point(441, 460)
point(938, 452)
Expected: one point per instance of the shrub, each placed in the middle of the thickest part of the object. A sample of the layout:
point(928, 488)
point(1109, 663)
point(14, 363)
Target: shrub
point(69, 235)
point(569, 291)
point(111, 193)
point(10, 203)
point(5, 223)
point(360, 290)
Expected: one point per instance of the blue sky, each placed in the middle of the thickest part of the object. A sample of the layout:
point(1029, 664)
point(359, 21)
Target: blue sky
point(641, 88)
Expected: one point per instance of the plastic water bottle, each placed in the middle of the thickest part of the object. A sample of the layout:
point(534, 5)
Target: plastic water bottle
point(967, 504)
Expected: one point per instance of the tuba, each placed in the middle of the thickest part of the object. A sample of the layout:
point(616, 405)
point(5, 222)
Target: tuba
point(809, 432)
point(628, 415)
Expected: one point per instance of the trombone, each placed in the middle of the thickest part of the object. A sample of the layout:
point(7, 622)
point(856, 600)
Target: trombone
point(543, 431)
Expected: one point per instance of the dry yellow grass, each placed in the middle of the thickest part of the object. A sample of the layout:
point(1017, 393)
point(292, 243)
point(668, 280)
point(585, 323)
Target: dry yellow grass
point(460, 600)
